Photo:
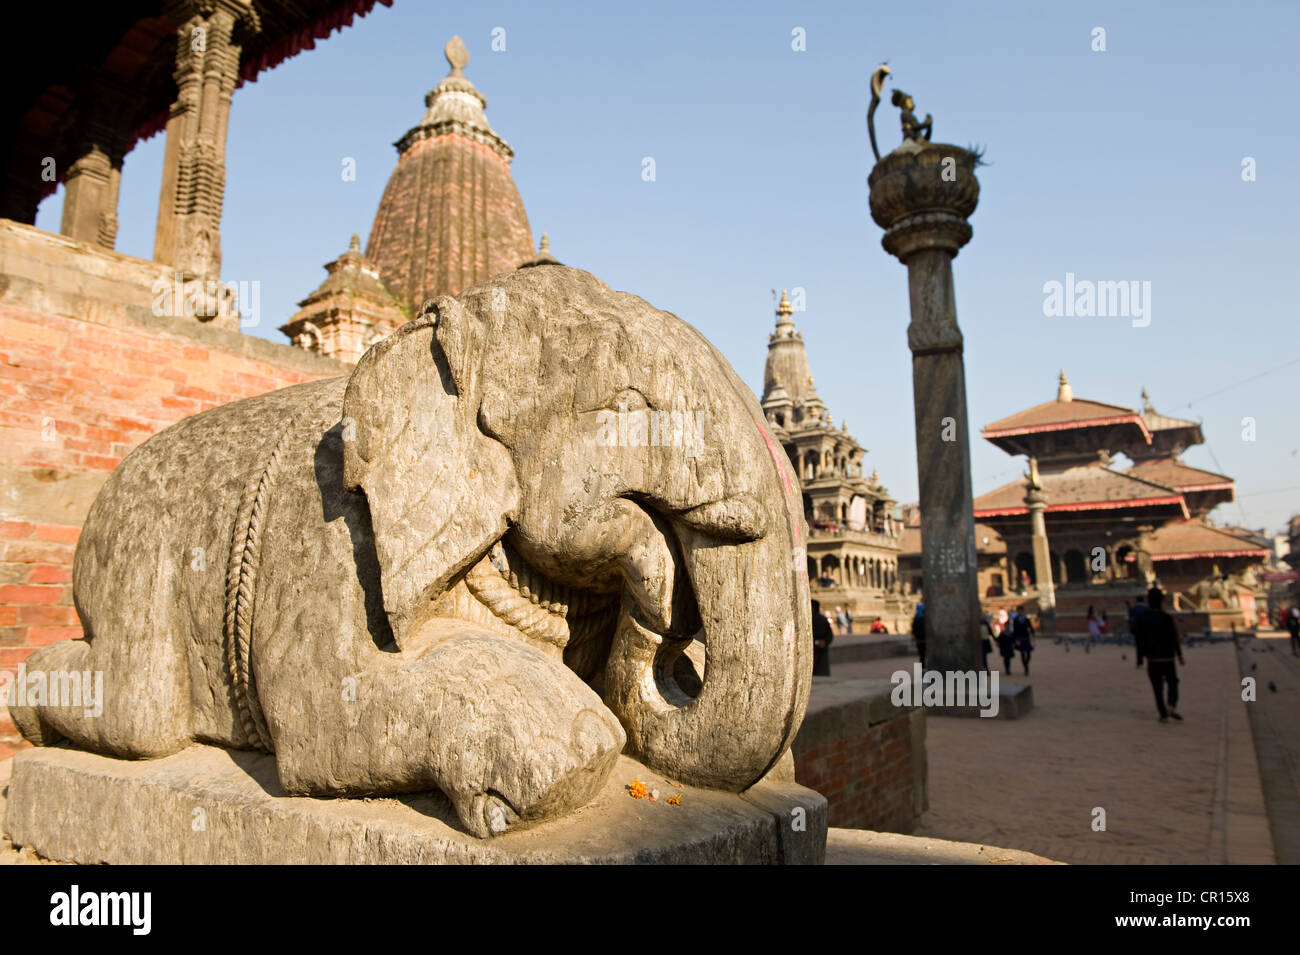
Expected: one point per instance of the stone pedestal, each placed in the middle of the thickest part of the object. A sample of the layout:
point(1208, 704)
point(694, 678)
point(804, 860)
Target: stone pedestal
point(1015, 701)
point(921, 194)
point(207, 805)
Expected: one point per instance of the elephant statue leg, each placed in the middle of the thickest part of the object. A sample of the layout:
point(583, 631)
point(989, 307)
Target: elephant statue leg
point(145, 709)
point(134, 652)
point(509, 734)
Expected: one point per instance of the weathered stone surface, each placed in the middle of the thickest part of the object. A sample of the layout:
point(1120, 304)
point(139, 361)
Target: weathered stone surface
point(1015, 701)
point(863, 847)
point(212, 806)
point(536, 524)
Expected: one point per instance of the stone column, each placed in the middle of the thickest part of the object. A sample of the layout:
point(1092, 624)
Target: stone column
point(95, 174)
point(921, 194)
point(188, 235)
point(1037, 505)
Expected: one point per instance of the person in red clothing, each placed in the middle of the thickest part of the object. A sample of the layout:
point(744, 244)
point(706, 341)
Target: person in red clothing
point(1158, 641)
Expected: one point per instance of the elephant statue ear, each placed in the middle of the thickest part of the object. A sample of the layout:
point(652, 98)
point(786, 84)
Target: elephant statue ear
point(440, 491)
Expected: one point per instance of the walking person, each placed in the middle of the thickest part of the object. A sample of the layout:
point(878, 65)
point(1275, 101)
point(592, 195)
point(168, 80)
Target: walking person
point(823, 636)
point(1293, 627)
point(986, 638)
point(1007, 643)
point(1024, 632)
point(1157, 640)
point(841, 620)
point(918, 632)
point(1094, 630)
point(1135, 612)
point(848, 620)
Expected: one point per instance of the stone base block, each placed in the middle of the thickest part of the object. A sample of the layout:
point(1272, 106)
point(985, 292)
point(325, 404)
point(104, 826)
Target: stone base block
point(208, 805)
point(863, 847)
point(863, 753)
point(857, 648)
point(1015, 700)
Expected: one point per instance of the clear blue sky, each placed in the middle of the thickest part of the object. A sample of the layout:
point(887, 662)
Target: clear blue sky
point(1115, 166)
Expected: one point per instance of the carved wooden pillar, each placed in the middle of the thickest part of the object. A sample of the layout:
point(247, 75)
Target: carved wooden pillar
point(98, 142)
point(194, 164)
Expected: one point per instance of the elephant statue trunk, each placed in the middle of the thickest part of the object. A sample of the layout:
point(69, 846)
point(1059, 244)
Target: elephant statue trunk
point(753, 692)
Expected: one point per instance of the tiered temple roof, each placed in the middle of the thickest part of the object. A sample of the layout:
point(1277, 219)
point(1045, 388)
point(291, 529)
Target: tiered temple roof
point(1192, 539)
point(1158, 507)
point(1170, 437)
point(1069, 430)
point(1086, 489)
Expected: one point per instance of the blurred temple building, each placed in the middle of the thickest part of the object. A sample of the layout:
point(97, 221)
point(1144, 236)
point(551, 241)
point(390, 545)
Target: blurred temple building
point(853, 528)
point(1112, 531)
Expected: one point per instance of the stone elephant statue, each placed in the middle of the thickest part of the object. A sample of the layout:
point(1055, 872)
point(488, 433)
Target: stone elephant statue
point(540, 525)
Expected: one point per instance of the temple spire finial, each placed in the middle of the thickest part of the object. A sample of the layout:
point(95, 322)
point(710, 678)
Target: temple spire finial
point(784, 323)
point(355, 244)
point(457, 55)
point(1146, 403)
point(1063, 391)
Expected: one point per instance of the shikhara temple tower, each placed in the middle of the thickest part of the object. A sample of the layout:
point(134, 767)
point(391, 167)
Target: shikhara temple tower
point(853, 533)
point(1111, 530)
point(450, 217)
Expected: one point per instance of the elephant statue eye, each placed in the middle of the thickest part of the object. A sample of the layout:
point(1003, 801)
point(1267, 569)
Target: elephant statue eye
point(628, 399)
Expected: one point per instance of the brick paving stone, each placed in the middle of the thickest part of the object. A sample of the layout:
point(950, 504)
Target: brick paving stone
point(1091, 741)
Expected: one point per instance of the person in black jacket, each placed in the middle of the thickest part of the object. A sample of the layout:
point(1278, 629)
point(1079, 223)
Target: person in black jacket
point(1157, 639)
point(823, 635)
point(1024, 633)
point(1007, 642)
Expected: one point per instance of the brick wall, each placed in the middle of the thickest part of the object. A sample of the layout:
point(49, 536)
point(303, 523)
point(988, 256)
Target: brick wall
point(865, 755)
point(87, 372)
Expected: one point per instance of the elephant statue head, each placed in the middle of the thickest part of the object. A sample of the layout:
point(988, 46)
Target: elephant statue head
point(576, 468)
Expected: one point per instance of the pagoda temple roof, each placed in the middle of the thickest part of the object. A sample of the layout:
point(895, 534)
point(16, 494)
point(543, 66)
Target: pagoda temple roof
point(1058, 433)
point(1160, 422)
point(1063, 416)
point(1083, 489)
point(1181, 477)
point(1186, 540)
